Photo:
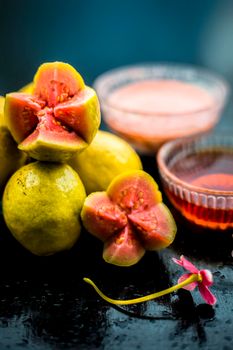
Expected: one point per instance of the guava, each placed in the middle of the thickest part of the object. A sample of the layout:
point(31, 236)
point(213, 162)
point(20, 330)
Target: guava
point(2, 119)
point(11, 158)
point(28, 88)
point(129, 218)
point(59, 118)
point(108, 154)
point(41, 206)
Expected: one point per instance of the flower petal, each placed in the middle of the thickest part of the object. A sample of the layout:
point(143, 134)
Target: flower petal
point(207, 278)
point(186, 264)
point(206, 294)
point(190, 286)
point(178, 262)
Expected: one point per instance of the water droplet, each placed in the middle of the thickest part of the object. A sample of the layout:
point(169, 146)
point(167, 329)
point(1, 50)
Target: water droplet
point(217, 273)
point(174, 345)
point(228, 338)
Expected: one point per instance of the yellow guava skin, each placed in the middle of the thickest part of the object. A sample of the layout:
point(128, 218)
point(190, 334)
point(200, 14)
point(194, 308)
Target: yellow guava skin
point(55, 116)
point(11, 158)
point(106, 157)
point(2, 119)
point(28, 88)
point(129, 217)
point(41, 207)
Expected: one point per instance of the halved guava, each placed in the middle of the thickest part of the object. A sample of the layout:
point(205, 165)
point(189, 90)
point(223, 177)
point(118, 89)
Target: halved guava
point(102, 217)
point(129, 217)
point(123, 248)
point(59, 118)
point(155, 227)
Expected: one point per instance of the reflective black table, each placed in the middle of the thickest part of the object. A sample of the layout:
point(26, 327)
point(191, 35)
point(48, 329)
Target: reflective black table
point(44, 303)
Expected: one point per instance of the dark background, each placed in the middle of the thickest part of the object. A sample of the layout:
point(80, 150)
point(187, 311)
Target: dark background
point(43, 302)
point(96, 36)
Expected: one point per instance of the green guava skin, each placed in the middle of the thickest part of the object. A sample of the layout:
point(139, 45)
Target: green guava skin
point(41, 207)
point(129, 217)
point(11, 158)
point(54, 117)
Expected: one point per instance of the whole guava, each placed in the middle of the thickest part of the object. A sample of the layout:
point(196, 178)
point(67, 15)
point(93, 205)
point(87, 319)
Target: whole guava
point(11, 158)
point(41, 207)
point(106, 157)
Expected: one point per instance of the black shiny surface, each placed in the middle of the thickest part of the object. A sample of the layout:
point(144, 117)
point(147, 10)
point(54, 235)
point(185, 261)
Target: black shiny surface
point(44, 304)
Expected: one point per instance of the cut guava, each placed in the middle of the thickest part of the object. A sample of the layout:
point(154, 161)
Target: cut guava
point(134, 191)
point(129, 217)
point(123, 248)
point(155, 227)
point(59, 118)
point(102, 217)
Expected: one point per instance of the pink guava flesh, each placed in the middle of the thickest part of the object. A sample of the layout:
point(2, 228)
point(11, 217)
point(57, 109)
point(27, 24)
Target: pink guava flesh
point(56, 82)
point(60, 118)
point(76, 113)
point(129, 217)
point(22, 108)
point(137, 192)
point(102, 217)
point(123, 249)
point(155, 227)
point(49, 130)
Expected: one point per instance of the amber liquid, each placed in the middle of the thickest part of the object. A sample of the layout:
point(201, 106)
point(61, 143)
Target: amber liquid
point(209, 170)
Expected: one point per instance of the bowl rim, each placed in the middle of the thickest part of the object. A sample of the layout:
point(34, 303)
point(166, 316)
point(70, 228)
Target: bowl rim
point(222, 84)
point(166, 148)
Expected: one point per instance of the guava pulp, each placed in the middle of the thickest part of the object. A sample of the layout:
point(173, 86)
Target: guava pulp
point(129, 218)
point(60, 117)
point(148, 113)
point(161, 97)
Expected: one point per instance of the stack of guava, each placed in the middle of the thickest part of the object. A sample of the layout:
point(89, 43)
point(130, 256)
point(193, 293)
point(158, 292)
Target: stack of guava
point(53, 126)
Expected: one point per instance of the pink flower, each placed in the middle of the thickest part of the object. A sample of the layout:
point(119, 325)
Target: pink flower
point(206, 279)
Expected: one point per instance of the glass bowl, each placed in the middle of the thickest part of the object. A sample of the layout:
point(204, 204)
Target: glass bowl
point(197, 176)
point(147, 127)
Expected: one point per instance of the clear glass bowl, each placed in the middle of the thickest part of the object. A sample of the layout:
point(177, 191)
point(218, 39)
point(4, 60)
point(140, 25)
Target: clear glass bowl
point(147, 131)
point(197, 176)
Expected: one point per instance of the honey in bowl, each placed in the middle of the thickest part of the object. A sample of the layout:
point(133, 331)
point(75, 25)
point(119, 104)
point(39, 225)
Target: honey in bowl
point(211, 170)
point(198, 179)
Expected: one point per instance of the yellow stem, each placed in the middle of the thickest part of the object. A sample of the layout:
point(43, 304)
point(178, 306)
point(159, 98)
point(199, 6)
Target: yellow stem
point(193, 278)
